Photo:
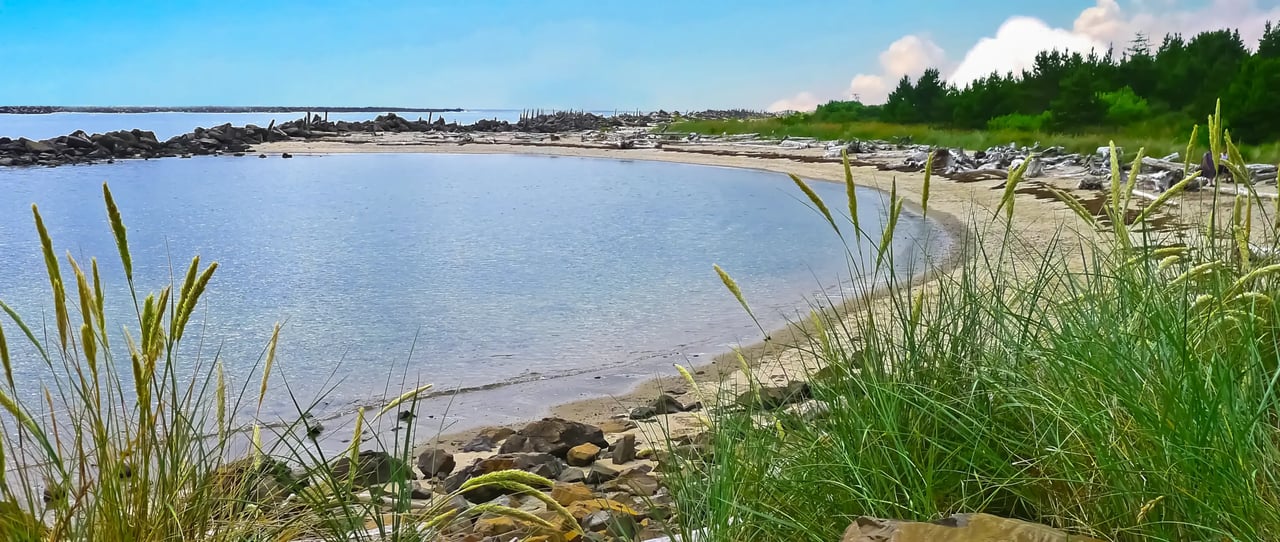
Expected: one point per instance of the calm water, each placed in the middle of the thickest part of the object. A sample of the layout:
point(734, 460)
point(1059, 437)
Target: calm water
point(570, 276)
point(167, 125)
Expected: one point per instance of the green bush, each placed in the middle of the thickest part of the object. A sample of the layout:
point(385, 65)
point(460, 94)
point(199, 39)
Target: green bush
point(1021, 123)
point(1125, 107)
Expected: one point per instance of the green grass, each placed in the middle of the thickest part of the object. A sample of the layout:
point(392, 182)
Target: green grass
point(1119, 391)
point(1158, 141)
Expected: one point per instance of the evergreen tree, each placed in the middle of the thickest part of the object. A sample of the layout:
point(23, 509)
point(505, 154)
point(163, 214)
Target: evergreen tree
point(1251, 102)
point(900, 107)
point(930, 98)
point(1269, 45)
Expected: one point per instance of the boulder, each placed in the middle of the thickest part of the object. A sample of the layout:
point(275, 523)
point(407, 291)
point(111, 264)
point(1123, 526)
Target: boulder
point(544, 465)
point(637, 482)
point(495, 526)
point(569, 493)
point(263, 482)
point(436, 463)
point(373, 468)
point(620, 526)
point(79, 140)
point(624, 451)
point(774, 397)
point(664, 404)
point(553, 436)
point(571, 475)
point(617, 426)
point(957, 528)
point(601, 473)
point(581, 509)
point(488, 439)
point(583, 454)
point(36, 146)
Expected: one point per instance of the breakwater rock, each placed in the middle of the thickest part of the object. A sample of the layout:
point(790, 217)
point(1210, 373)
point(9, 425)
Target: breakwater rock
point(79, 147)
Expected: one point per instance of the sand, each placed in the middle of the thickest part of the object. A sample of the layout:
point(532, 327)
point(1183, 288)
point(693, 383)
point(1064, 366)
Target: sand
point(961, 208)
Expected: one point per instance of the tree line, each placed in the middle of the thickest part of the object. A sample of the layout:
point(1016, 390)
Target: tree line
point(1171, 85)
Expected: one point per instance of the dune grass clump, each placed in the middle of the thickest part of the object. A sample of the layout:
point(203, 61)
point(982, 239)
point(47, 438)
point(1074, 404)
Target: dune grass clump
point(1127, 390)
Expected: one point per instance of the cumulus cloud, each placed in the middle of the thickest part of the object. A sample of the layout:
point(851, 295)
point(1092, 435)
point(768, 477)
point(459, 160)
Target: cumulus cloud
point(910, 56)
point(870, 89)
point(1107, 22)
point(804, 101)
point(1013, 47)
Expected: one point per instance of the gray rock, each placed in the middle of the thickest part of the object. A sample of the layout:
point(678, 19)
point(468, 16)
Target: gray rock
point(36, 146)
point(545, 465)
point(601, 473)
point(436, 463)
point(571, 475)
point(664, 404)
point(373, 468)
point(624, 451)
point(553, 436)
point(774, 397)
point(488, 439)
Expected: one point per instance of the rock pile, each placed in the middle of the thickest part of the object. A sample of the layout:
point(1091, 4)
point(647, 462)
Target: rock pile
point(595, 476)
point(79, 147)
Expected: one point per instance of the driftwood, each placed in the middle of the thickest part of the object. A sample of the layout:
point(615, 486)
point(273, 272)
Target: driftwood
point(975, 175)
point(1156, 164)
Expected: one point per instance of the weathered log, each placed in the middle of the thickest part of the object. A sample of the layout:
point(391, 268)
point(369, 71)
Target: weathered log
point(1155, 164)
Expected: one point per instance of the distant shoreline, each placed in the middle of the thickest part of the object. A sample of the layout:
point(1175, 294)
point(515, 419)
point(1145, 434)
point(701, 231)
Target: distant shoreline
point(47, 109)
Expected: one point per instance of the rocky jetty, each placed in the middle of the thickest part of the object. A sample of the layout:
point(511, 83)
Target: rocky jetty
point(80, 147)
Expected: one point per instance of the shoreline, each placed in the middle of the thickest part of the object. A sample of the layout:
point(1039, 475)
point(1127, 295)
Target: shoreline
point(955, 205)
point(722, 369)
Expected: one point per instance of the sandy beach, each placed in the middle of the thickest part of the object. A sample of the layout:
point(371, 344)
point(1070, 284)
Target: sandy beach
point(960, 208)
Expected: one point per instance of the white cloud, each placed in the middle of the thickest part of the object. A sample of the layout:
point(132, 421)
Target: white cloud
point(804, 101)
point(910, 56)
point(1014, 47)
point(1108, 23)
point(869, 89)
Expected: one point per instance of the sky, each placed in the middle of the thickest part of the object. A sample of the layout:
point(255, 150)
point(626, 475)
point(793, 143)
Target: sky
point(588, 54)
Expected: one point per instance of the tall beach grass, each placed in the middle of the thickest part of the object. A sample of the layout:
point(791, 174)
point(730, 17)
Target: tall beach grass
point(131, 441)
point(1126, 390)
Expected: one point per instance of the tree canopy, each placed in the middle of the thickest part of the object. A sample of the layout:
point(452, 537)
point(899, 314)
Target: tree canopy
point(1176, 82)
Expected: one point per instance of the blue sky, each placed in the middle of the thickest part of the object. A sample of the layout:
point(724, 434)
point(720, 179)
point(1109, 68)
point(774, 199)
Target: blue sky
point(495, 54)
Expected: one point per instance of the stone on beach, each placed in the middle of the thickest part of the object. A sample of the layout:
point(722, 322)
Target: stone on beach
point(554, 436)
point(957, 528)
